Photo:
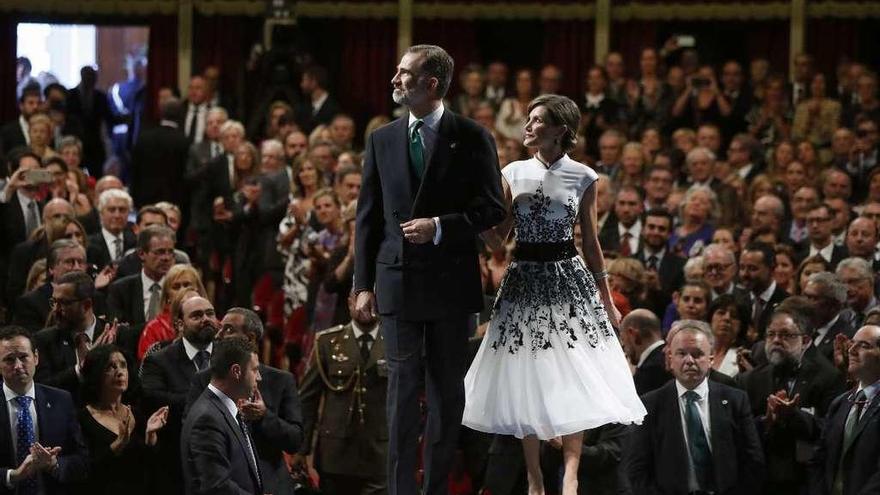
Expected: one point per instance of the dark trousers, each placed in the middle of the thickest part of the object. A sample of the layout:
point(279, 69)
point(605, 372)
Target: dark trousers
point(436, 350)
point(340, 484)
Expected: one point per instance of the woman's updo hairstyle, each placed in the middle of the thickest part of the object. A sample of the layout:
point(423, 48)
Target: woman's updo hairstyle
point(561, 110)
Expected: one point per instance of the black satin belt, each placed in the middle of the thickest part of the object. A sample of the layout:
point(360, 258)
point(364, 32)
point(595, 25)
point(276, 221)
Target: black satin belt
point(544, 251)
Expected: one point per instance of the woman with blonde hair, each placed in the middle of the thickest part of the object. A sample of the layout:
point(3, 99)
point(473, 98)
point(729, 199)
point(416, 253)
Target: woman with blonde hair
point(180, 278)
point(40, 134)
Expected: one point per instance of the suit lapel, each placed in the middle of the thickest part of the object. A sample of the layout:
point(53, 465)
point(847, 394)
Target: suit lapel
point(137, 294)
point(42, 406)
point(871, 411)
point(6, 431)
point(677, 434)
point(718, 414)
point(186, 366)
point(236, 430)
point(400, 169)
point(438, 161)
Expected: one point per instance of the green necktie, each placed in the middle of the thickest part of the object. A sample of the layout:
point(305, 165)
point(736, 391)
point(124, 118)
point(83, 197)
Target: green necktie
point(849, 430)
point(701, 456)
point(416, 149)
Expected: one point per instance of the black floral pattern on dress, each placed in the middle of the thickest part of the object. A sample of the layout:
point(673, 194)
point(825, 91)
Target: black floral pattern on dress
point(543, 303)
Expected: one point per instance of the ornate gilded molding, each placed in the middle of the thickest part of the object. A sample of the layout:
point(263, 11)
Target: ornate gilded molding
point(701, 11)
point(843, 10)
point(91, 7)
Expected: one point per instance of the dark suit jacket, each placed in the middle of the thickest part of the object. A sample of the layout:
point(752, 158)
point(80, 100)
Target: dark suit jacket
point(308, 121)
point(826, 346)
point(93, 147)
point(58, 427)
point(215, 451)
point(158, 163)
point(658, 451)
point(12, 225)
point(817, 383)
point(22, 257)
point(670, 271)
point(197, 176)
point(279, 431)
point(802, 251)
point(652, 374)
point(125, 300)
point(461, 186)
point(32, 309)
point(166, 377)
point(11, 136)
point(97, 252)
point(860, 459)
point(763, 319)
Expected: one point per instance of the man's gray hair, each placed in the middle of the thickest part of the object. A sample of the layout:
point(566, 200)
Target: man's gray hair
point(719, 250)
point(694, 326)
point(224, 115)
point(859, 265)
point(829, 285)
point(111, 194)
point(252, 322)
point(438, 63)
point(696, 152)
point(232, 126)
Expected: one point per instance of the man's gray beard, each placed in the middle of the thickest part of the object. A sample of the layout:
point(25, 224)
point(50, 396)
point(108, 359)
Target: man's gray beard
point(780, 358)
point(401, 97)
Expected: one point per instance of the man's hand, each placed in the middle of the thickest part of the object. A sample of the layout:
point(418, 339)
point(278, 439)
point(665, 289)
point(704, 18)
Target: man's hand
point(254, 409)
point(105, 276)
point(365, 305)
point(252, 193)
point(419, 230)
point(44, 458)
point(24, 471)
point(108, 336)
point(81, 341)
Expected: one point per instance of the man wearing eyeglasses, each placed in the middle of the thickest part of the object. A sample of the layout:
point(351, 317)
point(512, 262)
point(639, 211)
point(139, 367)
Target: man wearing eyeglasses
point(850, 446)
point(789, 395)
point(819, 239)
point(64, 346)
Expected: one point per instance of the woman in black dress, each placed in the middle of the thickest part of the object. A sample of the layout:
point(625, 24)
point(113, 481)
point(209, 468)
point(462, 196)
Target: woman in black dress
point(117, 451)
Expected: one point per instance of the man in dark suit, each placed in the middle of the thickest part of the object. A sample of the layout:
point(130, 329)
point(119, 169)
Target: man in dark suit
point(92, 108)
point(699, 435)
point(115, 238)
point(318, 107)
point(700, 163)
point(43, 444)
point(628, 208)
point(135, 299)
point(273, 412)
point(32, 309)
point(15, 134)
point(756, 264)
point(195, 111)
point(667, 267)
point(217, 448)
point(858, 276)
point(828, 295)
point(198, 176)
point(789, 396)
point(819, 239)
point(158, 160)
point(167, 378)
point(431, 184)
point(131, 262)
point(848, 460)
point(64, 346)
point(640, 337)
point(20, 210)
point(347, 366)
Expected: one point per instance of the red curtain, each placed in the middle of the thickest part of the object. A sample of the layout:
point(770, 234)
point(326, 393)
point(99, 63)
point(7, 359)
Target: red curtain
point(830, 41)
point(458, 37)
point(224, 41)
point(768, 39)
point(630, 38)
point(569, 46)
point(162, 63)
point(369, 56)
point(8, 108)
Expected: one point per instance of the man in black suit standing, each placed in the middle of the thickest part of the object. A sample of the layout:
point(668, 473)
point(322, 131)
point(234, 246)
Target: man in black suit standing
point(158, 160)
point(665, 269)
point(847, 460)
point(699, 436)
point(628, 207)
point(789, 396)
point(828, 295)
point(317, 107)
point(431, 184)
point(273, 412)
point(756, 264)
point(91, 106)
point(195, 111)
point(135, 299)
point(167, 378)
point(44, 451)
point(64, 346)
point(217, 447)
point(115, 238)
point(32, 309)
point(640, 337)
point(198, 177)
point(14, 134)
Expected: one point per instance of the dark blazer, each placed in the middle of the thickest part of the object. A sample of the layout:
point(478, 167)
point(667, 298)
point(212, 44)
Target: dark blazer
point(125, 300)
point(461, 186)
point(658, 451)
point(158, 163)
point(58, 358)
point(308, 121)
point(11, 136)
point(22, 257)
point(279, 431)
point(763, 319)
point(652, 374)
point(32, 309)
point(860, 460)
point(215, 452)
point(57, 427)
point(802, 251)
point(93, 147)
point(12, 224)
point(817, 383)
point(197, 176)
point(609, 240)
point(826, 346)
point(97, 252)
point(166, 377)
point(670, 271)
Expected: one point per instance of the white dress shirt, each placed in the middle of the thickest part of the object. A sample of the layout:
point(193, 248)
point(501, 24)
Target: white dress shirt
point(825, 252)
point(635, 231)
point(318, 103)
point(12, 407)
point(25, 129)
point(110, 239)
point(147, 283)
point(358, 331)
point(233, 410)
point(192, 350)
point(196, 111)
point(429, 133)
point(25, 201)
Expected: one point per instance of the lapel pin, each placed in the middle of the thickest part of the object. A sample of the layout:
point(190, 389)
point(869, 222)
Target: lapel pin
point(724, 402)
point(452, 145)
point(48, 405)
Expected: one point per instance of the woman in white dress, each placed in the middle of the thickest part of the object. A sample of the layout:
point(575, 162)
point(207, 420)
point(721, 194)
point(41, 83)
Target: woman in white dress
point(550, 364)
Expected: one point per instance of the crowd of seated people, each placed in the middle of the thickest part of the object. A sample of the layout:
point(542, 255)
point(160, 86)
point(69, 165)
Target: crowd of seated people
point(739, 211)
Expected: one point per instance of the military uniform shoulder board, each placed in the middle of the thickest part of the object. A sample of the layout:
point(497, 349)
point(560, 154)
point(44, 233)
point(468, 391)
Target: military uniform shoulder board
point(328, 331)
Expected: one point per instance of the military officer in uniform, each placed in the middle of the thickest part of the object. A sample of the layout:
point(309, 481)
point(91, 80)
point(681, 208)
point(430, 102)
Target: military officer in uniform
point(348, 371)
